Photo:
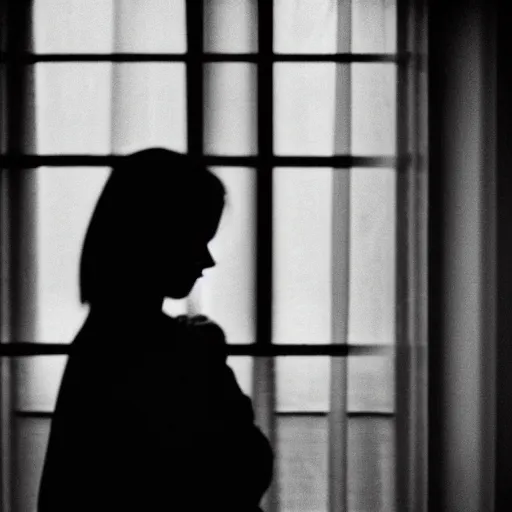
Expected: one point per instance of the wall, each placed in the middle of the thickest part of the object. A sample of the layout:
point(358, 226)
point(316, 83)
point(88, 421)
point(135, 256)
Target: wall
point(462, 267)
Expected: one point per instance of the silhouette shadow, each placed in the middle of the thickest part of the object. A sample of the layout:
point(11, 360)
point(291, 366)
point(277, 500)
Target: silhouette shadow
point(149, 416)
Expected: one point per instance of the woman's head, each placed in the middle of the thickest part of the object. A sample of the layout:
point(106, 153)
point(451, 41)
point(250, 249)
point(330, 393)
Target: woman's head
point(149, 232)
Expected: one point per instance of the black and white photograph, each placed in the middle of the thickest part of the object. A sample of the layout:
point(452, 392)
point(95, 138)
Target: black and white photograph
point(255, 256)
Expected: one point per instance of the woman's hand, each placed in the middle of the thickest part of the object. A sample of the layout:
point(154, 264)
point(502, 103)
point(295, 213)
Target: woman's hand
point(202, 329)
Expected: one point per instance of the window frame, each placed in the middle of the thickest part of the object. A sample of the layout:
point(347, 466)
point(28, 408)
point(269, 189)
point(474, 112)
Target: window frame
point(263, 350)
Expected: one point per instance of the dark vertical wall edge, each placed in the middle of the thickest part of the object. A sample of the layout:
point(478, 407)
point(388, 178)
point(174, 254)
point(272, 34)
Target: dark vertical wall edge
point(489, 255)
point(436, 86)
point(504, 278)
point(20, 214)
point(5, 405)
point(453, 178)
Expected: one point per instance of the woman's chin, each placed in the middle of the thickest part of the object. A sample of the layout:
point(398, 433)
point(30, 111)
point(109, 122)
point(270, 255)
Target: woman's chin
point(180, 292)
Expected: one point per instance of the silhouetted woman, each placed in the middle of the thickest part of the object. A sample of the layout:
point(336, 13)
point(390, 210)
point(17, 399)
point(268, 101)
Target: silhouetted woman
point(149, 416)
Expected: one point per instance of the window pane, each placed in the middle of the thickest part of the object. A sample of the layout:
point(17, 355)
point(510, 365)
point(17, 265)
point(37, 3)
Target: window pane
point(302, 384)
point(373, 109)
point(312, 26)
point(150, 26)
point(105, 26)
point(96, 108)
point(305, 98)
point(73, 113)
point(302, 463)
point(304, 102)
point(371, 384)
point(226, 292)
point(372, 256)
point(302, 255)
point(230, 26)
point(149, 106)
point(374, 26)
point(38, 381)
point(305, 26)
point(66, 199)
point(32, 439)
point(371, 465)
point(73, 26)
point(230, 109)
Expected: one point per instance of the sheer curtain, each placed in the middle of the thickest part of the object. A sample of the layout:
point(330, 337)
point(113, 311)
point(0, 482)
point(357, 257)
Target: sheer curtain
point(335, 230)
point(18, 204)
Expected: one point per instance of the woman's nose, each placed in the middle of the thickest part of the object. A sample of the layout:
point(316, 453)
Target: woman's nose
point(208, 262)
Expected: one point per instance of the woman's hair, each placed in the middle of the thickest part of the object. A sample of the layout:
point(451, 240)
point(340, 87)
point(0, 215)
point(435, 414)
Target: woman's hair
point(153, 199)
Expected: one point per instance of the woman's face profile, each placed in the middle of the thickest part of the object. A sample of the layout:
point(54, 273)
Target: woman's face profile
point(184, 265)
point(148, 237)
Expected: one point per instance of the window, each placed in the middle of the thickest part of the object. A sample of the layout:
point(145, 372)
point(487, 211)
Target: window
point(303, 109)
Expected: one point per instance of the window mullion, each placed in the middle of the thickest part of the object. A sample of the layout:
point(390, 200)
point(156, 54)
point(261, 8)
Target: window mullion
point(195, 133)
point(31, 161)
point(33, 58)
point(338, 419)
point(31, 349)
point(195, 101)
point(263, 368)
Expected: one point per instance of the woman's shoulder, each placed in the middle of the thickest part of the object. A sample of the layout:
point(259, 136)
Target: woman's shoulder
point(183, 334)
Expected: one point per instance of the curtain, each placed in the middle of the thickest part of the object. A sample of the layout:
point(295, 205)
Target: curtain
point(466, 284)
point(412, 252)
point(18, 204)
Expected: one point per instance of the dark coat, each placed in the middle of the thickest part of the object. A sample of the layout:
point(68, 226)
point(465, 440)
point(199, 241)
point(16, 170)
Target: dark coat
point(150, 417)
